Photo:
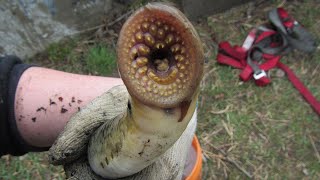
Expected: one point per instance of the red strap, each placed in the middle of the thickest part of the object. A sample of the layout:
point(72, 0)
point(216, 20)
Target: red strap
point(301, 88)
point(264, 35)
point(246, 73)
point(224, 59)
point(236, 51)
point(288, 20)
point(270, 63)
point(263, 81)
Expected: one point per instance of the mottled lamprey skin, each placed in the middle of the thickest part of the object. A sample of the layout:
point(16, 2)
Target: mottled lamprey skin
point(160, 59)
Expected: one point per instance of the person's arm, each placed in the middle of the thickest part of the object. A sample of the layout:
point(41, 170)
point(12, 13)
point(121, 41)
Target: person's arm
point(46, 99)
point(36, 103)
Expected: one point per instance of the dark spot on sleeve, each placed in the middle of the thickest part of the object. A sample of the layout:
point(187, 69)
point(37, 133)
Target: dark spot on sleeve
point(41, 109)
point(104, 114)
point(129, 108)
point(101, 163)
point(87, 133)
point(60, 99)
point(73, 99)
point(129, 105)
point(52, 158)
point(19, 119)
point(118, 148)
point(79, 101)
point(79, 108)
point(140, 153)
point(148, 141)
point(63, 110)
point(107, 161)
point(52, 102)
point(34, 119)
point(70, 104)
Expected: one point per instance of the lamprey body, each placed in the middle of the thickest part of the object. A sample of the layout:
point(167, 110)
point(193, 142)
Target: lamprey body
point(160, 59)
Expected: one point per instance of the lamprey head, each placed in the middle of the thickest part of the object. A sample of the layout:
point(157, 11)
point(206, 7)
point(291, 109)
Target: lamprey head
point(160, 56)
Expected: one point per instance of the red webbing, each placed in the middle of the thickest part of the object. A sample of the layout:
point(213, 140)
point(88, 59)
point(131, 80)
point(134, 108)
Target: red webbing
point(301, 88)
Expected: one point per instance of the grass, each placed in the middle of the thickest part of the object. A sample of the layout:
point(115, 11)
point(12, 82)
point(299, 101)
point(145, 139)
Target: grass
point(244, 130)
point(77, 55)
point(33, 166)
point(100, 60)
point(60, 51)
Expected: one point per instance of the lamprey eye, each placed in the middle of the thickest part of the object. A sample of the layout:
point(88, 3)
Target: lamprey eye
point(160, 56)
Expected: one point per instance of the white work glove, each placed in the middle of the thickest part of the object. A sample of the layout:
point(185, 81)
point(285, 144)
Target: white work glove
point(70, 149)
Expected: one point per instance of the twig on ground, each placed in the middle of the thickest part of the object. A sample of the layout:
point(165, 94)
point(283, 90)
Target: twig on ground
point(278, 121)
point(221, 111)
point(230, 160)
point(315, 71)
point(316, 152)
point(232, 147)
point(262, 134)
point(282, 3)
point(239, 167)
point(228, 128)
point(255, 173)
point(208, 136)
point(203, 82)
point(227, 145)
point(218, 157)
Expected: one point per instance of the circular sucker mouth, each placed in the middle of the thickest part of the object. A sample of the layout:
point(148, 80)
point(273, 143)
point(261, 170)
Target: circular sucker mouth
point(160, 56)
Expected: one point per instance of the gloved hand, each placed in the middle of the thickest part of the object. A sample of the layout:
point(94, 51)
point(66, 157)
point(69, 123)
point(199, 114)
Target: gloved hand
point(70, 149)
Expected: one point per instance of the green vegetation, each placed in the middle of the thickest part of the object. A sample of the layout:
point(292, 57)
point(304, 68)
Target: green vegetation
point(60, 51)
point(33, 166)
point(76, 56)
point(100, 60)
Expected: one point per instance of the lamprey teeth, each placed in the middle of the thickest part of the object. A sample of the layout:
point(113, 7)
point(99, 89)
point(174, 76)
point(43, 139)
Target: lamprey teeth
point(143, 70)
point(148, 38)
point(143, 50)
point(166, 28)
point(179, 57)
point(160, 34)
point(175, 48)
point(164, 48)
point(153, 29)
point(164, 80)
point(169, 39)
point(145, 26)
point(158, 23)
point(159, 45)
point(139, 36)
point(141, 61)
